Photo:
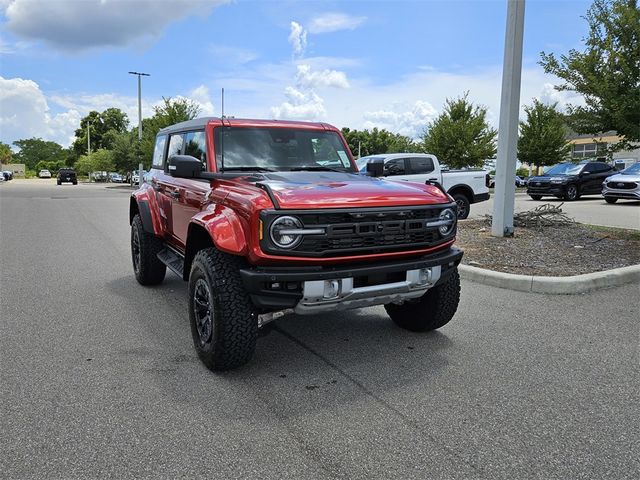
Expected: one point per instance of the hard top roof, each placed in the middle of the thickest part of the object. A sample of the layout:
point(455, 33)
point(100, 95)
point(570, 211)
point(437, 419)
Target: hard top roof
point(200, 123)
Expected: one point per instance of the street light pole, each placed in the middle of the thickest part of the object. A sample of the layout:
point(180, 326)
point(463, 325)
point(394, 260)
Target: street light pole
point(139, 101)
point(503, 206)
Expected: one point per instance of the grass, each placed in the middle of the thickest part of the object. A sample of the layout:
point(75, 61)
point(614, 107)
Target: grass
point(617, 233)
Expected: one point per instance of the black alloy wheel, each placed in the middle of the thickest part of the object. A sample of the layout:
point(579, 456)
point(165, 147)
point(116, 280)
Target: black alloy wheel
point(203, 311)
point(572, 192)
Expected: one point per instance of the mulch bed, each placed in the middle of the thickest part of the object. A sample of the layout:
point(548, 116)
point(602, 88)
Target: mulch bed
point(557, 251)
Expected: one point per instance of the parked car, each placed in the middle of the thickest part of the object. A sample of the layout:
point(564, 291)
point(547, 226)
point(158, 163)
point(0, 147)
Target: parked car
point(465, 186)
point(135, 177)
point(519, 181)
point(624, 185)
point(67, 175)
point(570, 181)
point(44, 173)
point(279, 220)
point(100, 176)
point(6, 174)
point(115, 177)
point(2, 178)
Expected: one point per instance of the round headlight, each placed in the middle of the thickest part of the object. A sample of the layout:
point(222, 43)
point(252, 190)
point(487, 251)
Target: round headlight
point(280, 229)
point(449, 216)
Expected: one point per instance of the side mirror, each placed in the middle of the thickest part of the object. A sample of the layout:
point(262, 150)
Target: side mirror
point(184, 166)
point(375, 168)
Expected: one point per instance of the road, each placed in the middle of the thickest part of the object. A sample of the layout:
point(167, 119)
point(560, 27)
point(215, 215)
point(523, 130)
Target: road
point(99, 378)
point(590, 209)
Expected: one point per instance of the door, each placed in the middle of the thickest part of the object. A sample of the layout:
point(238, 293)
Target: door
point(166, 187)
point(189, 195)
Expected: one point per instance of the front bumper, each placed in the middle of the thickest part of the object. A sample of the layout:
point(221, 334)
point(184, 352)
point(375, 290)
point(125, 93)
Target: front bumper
point(621, 193)
point(552, 189)
point(302, 288)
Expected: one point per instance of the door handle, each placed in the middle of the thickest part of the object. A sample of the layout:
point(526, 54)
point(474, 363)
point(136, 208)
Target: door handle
point(175, 194)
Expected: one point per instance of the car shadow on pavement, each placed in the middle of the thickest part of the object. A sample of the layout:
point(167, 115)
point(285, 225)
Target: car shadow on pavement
point(344, 355)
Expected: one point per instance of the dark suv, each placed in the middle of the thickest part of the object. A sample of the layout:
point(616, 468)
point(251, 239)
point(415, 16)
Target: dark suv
point(570, 180)
point(266, 217)
point(67, 175)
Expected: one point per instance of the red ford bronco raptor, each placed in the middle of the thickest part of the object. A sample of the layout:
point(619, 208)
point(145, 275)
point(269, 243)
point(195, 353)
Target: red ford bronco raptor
point(265, 217)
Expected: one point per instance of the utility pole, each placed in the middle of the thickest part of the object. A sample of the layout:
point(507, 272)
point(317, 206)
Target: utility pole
point(140, 101)
point(503, 206)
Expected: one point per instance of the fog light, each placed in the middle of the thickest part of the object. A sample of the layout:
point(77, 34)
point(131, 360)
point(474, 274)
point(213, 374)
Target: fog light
point(331, 289)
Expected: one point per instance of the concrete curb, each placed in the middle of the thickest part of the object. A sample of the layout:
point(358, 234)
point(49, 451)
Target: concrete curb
point(553, 285)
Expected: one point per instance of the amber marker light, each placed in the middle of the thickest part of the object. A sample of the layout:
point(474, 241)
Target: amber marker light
point(260, 230)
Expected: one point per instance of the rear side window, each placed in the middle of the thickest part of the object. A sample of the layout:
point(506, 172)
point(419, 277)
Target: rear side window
point(195, 145)
point(175, 145)
point(158, 151)
point(394, 167)
point(421, 165)
point(601, 167)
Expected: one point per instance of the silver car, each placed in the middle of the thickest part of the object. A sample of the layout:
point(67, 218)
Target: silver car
point(625, 184)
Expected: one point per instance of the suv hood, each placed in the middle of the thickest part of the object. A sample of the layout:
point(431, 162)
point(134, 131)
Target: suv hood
point(619, 177)
point(305, 190)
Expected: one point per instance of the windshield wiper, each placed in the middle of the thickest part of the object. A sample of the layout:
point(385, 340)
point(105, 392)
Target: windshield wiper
point(249, 169)
point(317, 168)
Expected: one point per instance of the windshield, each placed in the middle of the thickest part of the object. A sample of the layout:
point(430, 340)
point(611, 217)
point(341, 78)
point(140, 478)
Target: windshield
point(280, 149)
point(564, 169)
point(632, 170)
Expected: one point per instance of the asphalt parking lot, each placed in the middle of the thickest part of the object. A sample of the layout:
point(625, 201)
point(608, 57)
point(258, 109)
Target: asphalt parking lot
point(588, 209)
point(100, 380)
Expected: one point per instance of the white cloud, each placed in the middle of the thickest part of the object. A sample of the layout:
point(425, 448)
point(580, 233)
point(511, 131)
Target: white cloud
point(402, 118)
point(307, 78)
point(78, 25)
point(300, 105)
point(332, 22)
point(550, 95)
point(24, 113)
point(298, 38)
point(303, 101)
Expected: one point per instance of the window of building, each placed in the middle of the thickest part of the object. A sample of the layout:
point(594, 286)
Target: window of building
point(588, 150)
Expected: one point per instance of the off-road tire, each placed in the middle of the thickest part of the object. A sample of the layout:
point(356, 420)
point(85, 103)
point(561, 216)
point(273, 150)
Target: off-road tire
point(610, 200)
point(59, 183)
point(234, 325)
point(536, 197)
point(75, 183)
point(431, 311)
point(572, 193)
point(464, 205)
point(149, 270)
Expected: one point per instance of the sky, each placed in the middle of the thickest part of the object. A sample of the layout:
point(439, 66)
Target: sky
point(357, 64)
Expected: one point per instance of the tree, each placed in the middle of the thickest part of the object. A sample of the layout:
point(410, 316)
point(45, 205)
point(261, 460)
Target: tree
point(460, 136)
point(103, 127)
point(169, 112)
point(371, 142)
point(102, 160)
point(126, 151)
point(5, 153)
point(607, 73)
point(34, 150)
point(542, 135)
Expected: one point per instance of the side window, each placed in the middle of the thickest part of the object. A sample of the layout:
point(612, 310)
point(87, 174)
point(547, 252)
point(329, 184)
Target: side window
point(175, 144)
point(195, 145)
point(158, 152)
point(394, 167)
point(602, 167)
point(589, 168)
point(421, 164)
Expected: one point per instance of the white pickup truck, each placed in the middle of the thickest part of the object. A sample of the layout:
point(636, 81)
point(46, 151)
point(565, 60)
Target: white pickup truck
point(465, 186)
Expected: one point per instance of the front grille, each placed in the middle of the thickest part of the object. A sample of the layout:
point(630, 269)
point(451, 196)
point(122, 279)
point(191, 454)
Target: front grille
point(622, 185)
point(362, 232)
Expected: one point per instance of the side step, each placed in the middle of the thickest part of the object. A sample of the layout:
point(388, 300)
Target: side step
point(173, 260)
